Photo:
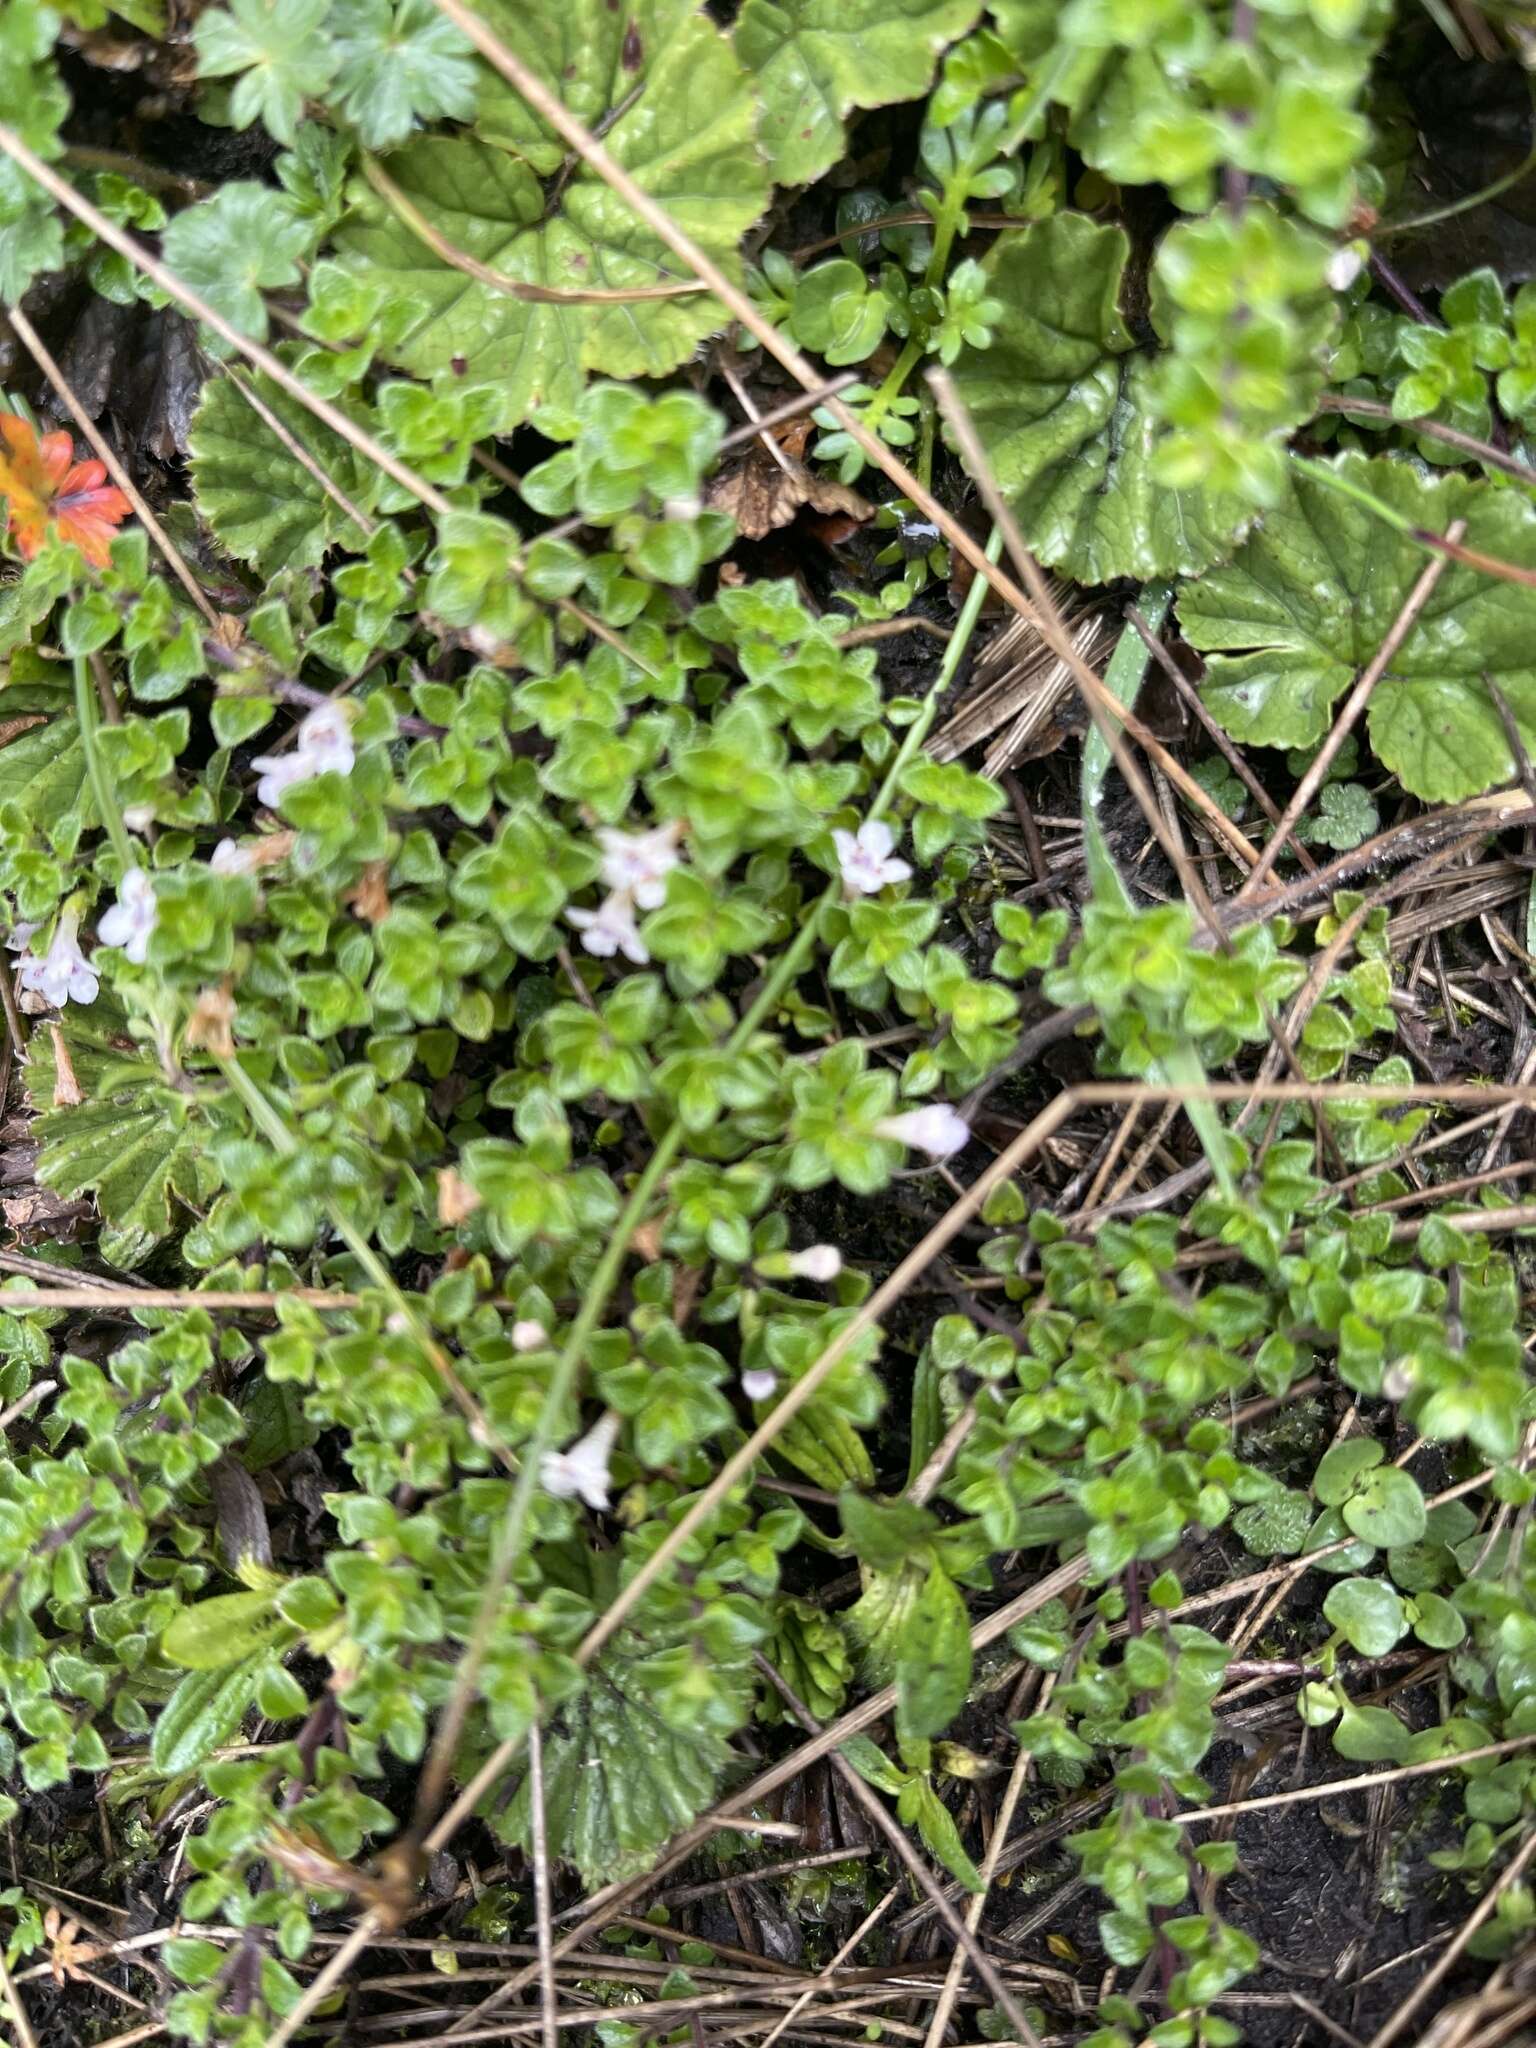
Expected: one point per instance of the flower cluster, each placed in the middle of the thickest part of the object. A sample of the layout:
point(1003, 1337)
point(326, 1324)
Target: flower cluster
point(634, 870)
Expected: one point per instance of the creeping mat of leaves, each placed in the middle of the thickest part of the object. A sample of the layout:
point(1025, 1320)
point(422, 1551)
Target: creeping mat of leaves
point(614, 1266)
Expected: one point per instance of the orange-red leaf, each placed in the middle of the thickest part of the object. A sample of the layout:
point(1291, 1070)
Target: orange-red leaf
point(47, 492)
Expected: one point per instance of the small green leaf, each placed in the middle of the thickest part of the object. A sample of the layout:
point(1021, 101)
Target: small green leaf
point(1275, 1526)
point(933, 1659)
point(245, 240)
point(1388, 1508)
point(1369, 1613)
point(1370, 1735)
point(201, 1714)
point(398, 67)
point(281, 50)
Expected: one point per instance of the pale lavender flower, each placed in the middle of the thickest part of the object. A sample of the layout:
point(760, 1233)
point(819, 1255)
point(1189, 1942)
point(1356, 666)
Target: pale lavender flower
point(324, 746)
point(637, 863)
point(864, 859)
point(935, 1129)
point(582, 1471)
point(611, 929)
point(759, 1386)
point(62, 974)
point(131, 919)
point(818, 1262)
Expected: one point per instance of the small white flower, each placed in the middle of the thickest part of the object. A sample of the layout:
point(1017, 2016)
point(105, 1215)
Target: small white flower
point(528, 1335)
point(229, 857)
point(138, 817)
point(759, 1386)
point(819, 1262)
point(63, 974)
point(611, 929)
point(1344, 266)
point(935, 1129)
point(637, 863)
point(324, 746)
point(583, 1469)
point(16, 940)
point(864, 859)
point(132, 917)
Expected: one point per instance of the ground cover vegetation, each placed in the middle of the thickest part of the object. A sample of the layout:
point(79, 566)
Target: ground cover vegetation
point(765, 819)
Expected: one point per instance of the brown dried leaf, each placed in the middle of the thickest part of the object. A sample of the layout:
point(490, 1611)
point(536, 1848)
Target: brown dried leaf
point(370, 899)
point(762, 494)
point(67, 1955)
point(456, 1199)
point(67, 1092)
point(212, 1021)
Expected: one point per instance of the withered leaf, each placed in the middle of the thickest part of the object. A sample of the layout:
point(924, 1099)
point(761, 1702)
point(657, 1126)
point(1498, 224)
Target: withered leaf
point(762, 493)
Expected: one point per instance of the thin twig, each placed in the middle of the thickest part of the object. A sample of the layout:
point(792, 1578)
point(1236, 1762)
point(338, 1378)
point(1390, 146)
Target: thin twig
point(1390, 2030)
point(1193, 702)
point(548, 1996)
point(1112, 715)
point(412, 217)
point(325, 1981)
point(1453, 437)
point(1354, 705)
point(880, 1814)
point(1012, 1793)
point(366, 527)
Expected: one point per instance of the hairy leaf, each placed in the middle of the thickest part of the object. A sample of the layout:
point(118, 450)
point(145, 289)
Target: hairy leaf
point(281, 51)
point(133, 1142)
point(684, 129)
point(1310, 597)
point(231, 248)
point(204, 1711)
point(43, 773)
point(1062, 403)
point(263, 504)
point(636, 1756)
point(400, 66)
point(815, 60)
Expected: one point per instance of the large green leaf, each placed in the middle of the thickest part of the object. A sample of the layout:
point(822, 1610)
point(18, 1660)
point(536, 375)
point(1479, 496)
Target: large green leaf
point(42, 772)
point(815, 60)
point(1062, 403)
point(133, 1141)
point(683, 125)
point(263, 504)
point(637, 1755)
point(1308, 600)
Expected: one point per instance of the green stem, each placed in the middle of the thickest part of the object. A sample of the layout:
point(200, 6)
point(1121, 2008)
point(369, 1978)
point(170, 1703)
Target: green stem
point(1331, 480)
point(946, 225)
point(890, 390)
point(96, 769)
point(954, 654)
